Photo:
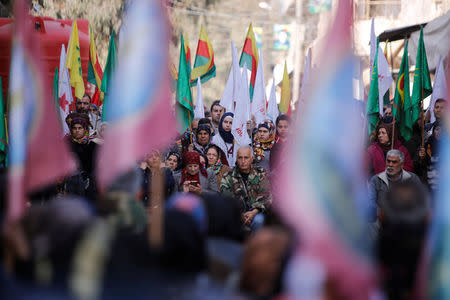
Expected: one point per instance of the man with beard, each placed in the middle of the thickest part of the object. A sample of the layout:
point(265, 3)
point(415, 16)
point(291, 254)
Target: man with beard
point(83, 106)
point(394, 173)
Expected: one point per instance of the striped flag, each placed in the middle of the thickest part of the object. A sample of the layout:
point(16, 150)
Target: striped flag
point(250, 57)
point(37, 154)
point(322, 187)
point(95, 73)
point(204, 66)
point(139, 120)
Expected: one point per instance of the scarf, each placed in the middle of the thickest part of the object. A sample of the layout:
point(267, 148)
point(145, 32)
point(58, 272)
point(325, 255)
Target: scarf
point(259, 146)
point(82, 140)
point(192, 158)
point(227, 136)
point(216, 167)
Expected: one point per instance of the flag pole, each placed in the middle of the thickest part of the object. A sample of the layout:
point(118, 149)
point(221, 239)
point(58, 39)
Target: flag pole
point(155, 211)
point(423, 117)
point(190, 127)
point(393, 133)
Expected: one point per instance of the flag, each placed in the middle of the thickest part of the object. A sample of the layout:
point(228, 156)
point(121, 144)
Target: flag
point(258, 105)
point(227, 100)
point(64, 90)
point(184, 106)
point(73, 62)
point(37, 155)
point(372, 106)
point(55, 89)
point(187, 51)
point(145, 120)
point(439, 88)
point(95, 73)
point(384, 74)
point(3, 134)
point(422, 82)
point(242, 112)
point(250, 57)
point(173, 76)
point(325, 171)
point(402, 98)
point(272, 107)
point(111, 63)
point(204, 66)
point(199, 111)
point(305, 80)
point(285, 103)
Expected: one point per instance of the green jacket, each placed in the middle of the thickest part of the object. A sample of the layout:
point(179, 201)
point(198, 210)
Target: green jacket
point(254, 194)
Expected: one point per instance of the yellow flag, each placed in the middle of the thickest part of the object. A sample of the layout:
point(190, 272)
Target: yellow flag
point(73, 62)
point(284, 106)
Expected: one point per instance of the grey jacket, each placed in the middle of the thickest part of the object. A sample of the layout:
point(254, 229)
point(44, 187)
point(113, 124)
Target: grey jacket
point(379, 186)
point(208, 184)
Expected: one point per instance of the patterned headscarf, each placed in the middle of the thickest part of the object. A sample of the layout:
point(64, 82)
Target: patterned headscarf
point(188, 159)
point(218, 164)
point(259, 146)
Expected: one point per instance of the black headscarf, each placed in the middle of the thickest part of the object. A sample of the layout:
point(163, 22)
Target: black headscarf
point(226, 135)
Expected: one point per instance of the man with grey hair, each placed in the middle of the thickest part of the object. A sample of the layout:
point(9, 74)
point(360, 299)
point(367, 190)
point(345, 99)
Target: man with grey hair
point(380, 184)
point(250, 185)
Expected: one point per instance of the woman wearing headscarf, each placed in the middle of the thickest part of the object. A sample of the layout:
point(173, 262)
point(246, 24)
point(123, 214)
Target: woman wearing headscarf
point(215, 164)
point(193, 177)
point(263, 141)
point(202, 138)
point(225, 140)
point(151, 165)
point(376, 153)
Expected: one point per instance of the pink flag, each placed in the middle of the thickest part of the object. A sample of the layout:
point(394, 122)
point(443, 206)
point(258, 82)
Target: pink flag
point(37, 154)
point(138, 109)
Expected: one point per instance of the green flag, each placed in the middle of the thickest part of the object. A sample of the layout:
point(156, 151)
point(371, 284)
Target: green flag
point(111, 63)
point(184, 107)
point(372, 107)
point(422, 82)
point(3, 134)
point(402, 98)
point(55, 89)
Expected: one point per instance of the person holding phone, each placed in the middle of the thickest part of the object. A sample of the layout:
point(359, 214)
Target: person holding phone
point(194, 178)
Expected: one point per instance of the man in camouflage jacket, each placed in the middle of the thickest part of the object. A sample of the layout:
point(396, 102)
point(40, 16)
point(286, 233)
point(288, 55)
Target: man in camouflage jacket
point(249, 184)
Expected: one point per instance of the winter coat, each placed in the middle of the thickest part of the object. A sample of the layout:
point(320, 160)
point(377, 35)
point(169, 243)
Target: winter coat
point(208, 184)
point(377, 160)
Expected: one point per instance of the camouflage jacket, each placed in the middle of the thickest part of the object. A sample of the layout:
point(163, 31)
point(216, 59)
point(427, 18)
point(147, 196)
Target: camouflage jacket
point(254, 194)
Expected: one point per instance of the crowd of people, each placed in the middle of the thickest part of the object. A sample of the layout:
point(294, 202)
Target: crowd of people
point(212, 201)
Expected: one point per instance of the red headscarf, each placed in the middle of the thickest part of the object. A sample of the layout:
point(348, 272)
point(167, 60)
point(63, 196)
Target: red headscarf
point(191, 158)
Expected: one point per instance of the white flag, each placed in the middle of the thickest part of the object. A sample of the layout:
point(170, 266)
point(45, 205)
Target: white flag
point(242, 112)
point(305, 80)
point(272, 108)
point(199, 111)
point(439, 88)
point(384, 74)
point(64, 89)
point(232, 85)
point(258, 107)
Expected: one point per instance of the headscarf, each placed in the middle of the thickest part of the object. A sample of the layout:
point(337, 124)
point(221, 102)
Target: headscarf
point(259, 146)
point(191, 158)
point(227, 136)
point(217, 166)
point(202, 127)
point(81, 121)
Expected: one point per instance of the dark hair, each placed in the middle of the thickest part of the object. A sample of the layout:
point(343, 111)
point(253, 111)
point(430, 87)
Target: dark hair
point(282, 117)
point(86, 95)
point(204, 121)
point(217, 102)
point(440, 100)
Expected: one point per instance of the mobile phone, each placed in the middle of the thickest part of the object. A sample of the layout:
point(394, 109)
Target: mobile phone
point(194, 183)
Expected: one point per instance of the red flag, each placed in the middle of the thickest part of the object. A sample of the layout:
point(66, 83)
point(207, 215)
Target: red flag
point(37, 154)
